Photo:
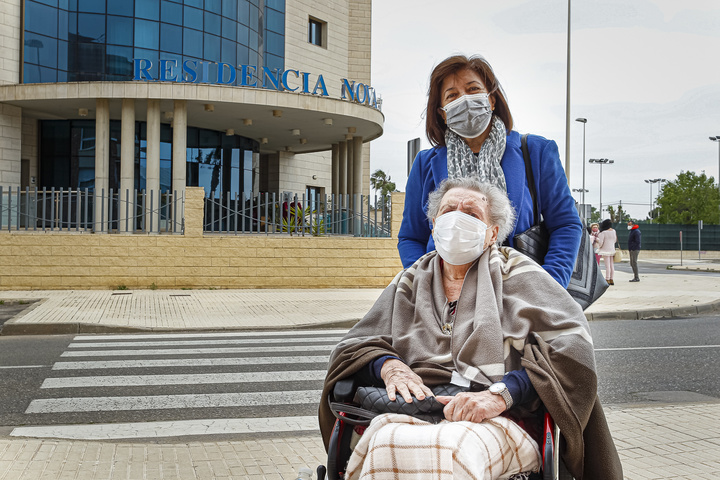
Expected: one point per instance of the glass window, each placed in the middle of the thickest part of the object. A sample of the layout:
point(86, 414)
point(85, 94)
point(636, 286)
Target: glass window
point(91, 27)
point(273, 62)
point(52, 3)
point(119, 30)
point(276, 4)
point(63, 4)
point(147, 34)
point(171, 37)
point(149, 9)
point(120, 7)
point(243, 57)
point(40, 50)
point(229, 52)
point(214, 6)
point(192, 39)
point(315, 28)
point(120, 61)
point(41, 19)
point(151, 55)
point(62, 55)
point(275, 21)
point(229, 29)
point(63, 24)
point(171, 13)
point(212, 23)
point(274, 43)
point(212, 47)
point(243, 33)
point(91, 6)
point(230, 8)
point(243, 12)
point(193, 18)
point(194, 3)
point(254, 20)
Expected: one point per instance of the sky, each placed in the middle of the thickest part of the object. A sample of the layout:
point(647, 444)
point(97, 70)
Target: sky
point(645, 74)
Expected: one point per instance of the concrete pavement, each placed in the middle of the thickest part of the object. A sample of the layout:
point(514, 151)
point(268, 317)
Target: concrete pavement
point(665, 441)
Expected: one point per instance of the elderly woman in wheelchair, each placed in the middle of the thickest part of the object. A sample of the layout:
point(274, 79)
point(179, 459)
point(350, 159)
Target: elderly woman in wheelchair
point(484, 321)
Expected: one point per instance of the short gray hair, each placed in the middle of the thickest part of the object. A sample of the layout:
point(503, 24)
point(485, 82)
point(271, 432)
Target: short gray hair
point(501, 212)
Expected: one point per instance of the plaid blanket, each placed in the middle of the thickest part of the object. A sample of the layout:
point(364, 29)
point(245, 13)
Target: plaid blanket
point(401, 447)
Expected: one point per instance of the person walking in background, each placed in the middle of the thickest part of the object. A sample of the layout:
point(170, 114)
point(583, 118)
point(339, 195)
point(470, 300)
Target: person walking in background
point(605, 243)
point(634, 248)
point(594, 230)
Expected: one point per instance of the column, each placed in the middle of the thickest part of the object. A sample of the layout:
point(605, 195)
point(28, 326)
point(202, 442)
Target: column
point(357, 165)
point(152, 170)
point(102, 164)
point(126, 205)
point(342, 168)
point(179, 162)
point(335, 168)
point(350, 168)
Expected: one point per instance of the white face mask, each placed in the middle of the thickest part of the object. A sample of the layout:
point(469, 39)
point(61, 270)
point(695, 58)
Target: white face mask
point(629, 227)
point(459, 237)
point(469, 115)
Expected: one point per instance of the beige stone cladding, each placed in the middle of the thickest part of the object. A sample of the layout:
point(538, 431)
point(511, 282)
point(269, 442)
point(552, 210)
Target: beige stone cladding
point(64, 260)
point(10, 143)
point(10, 41)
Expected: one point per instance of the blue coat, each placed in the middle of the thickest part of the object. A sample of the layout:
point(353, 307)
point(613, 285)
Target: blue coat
point(556, 203)
point(634, 238)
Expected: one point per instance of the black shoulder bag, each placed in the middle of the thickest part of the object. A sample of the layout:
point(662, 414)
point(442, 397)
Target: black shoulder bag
point(587, 283)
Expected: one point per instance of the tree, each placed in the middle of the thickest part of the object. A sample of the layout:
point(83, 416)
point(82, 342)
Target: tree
point(619, 216)
point(383, 185)
point(688, 199)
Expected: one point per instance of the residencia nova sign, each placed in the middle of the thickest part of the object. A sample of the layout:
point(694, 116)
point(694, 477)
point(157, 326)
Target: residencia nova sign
point(250, 76)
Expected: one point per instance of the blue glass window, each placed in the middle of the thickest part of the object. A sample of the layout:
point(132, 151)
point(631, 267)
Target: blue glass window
point(243, 56)
point(212, 23)
point(171, 12)
point(119, 30)
point(275, 21)
point(63, 24)
point(62, 55)
point(149, 9)
point(212, 47)
point(229, 53)
point(52, 3)
point(147, 34)
point(194, 3)
point(91, 27)
point(120, 7)
point(120, 61)
point(229, 28)
point(230, 8)
point(243, 33)
point(193, 18)
point(91, 6)
point(274, 43)
point(214, 6)
point(171, 38)
point(192, 39)
point(41, 19)
point(151, 55)
point(276, 4)
point(40, 50)
point(243, 12)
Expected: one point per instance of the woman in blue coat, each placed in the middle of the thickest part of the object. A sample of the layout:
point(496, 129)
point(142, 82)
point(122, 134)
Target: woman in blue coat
point(469, 124)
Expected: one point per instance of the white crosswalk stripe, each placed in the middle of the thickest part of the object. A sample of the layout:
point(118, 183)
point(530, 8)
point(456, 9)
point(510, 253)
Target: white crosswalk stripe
point(230, 383)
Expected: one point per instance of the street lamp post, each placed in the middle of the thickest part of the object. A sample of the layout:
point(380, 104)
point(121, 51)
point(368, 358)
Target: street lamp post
point(584, 215)
point(584, 122)
point(717, 139)
point(601, 162)
point(651, 181)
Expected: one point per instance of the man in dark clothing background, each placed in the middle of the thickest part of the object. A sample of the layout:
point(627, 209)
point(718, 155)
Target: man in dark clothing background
point(634, 248)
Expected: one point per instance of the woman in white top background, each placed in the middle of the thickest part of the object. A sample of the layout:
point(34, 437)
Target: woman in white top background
point(605, 244)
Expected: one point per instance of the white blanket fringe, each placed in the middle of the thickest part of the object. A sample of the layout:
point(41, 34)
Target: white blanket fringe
point(401, 447)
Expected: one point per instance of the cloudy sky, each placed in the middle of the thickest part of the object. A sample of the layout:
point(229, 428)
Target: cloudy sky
point(645, 73)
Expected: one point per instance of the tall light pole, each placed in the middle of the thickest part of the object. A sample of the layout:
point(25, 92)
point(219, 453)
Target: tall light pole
point(567, 102)
point(601, 162)
point(717, 139)
point(583, 121)
point(651, 181)
point(584, 215)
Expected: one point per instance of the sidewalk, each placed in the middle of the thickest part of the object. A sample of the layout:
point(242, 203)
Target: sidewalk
point(678, 441)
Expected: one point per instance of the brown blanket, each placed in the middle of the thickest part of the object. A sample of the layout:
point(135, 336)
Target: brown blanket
point(510, 314)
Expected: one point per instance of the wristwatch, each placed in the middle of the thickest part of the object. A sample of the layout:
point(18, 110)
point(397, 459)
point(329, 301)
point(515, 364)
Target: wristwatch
point(501, 389)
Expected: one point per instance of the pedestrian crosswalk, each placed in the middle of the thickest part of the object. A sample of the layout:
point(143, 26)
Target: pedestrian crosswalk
point(182, 385)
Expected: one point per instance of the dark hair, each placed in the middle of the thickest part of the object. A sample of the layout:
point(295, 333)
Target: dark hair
point(605, 225)
point(435, 126)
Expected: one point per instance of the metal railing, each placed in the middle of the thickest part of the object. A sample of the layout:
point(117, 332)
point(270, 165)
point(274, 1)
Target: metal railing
point(272, 213)
point(88, 210)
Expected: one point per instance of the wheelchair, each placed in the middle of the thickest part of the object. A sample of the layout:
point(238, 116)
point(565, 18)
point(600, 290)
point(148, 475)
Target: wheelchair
point(351, 422)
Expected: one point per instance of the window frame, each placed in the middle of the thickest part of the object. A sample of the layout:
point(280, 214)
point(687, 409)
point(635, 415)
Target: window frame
point(323, 27)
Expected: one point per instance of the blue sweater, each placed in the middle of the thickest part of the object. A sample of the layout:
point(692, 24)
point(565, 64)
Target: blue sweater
point(557, 206)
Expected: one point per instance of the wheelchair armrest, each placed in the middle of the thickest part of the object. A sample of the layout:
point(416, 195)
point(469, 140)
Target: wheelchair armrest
point(344, 390)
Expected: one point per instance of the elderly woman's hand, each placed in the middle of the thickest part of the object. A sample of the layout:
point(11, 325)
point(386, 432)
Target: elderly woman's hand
point(472, 406)
point(398, 377)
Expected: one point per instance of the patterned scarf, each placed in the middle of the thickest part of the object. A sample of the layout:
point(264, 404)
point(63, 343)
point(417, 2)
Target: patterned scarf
point(462, 162)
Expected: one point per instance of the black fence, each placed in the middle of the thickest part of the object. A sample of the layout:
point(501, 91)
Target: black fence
point(667, 237)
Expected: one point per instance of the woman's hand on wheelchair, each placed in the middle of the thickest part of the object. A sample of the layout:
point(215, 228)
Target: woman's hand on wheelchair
point(399, 378)
point(472, 406)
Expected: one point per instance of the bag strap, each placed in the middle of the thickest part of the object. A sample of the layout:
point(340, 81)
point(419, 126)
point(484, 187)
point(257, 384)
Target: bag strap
point(530, 178)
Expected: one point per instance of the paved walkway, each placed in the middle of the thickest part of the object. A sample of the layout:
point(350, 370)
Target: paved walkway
point(678, 441)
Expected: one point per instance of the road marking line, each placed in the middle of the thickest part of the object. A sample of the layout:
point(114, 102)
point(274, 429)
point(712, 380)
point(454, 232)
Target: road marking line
point(181, 428)
point(24, 366)
point(177, 343)
point(189, 379)
point(655, 348)
point(291, 333)
point(196, 351)
point(192, 362)
point(159, 402)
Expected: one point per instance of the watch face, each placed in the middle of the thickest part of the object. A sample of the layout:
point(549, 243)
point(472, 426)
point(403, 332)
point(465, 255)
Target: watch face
point(497, 387)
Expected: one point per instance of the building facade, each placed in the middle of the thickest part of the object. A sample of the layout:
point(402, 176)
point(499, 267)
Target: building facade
point(236, 96)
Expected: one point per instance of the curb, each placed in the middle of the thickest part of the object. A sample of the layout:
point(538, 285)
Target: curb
point(648, 314)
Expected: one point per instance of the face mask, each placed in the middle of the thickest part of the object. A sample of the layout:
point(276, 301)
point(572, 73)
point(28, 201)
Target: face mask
point(469, 115)
point(629, 227)
point(459, 238)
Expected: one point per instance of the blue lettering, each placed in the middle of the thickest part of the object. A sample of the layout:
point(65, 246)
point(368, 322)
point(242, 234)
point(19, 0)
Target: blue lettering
point(247, 73)
point(190, 70)
point(373, 98)
point(274, 78)
point(321, 84)
point(206, 71)
point(348, 87)
point(221, 74)
point(306, 82)
point(166, 68)
point(361, 88)
point(140, 70)
point(285, 80)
